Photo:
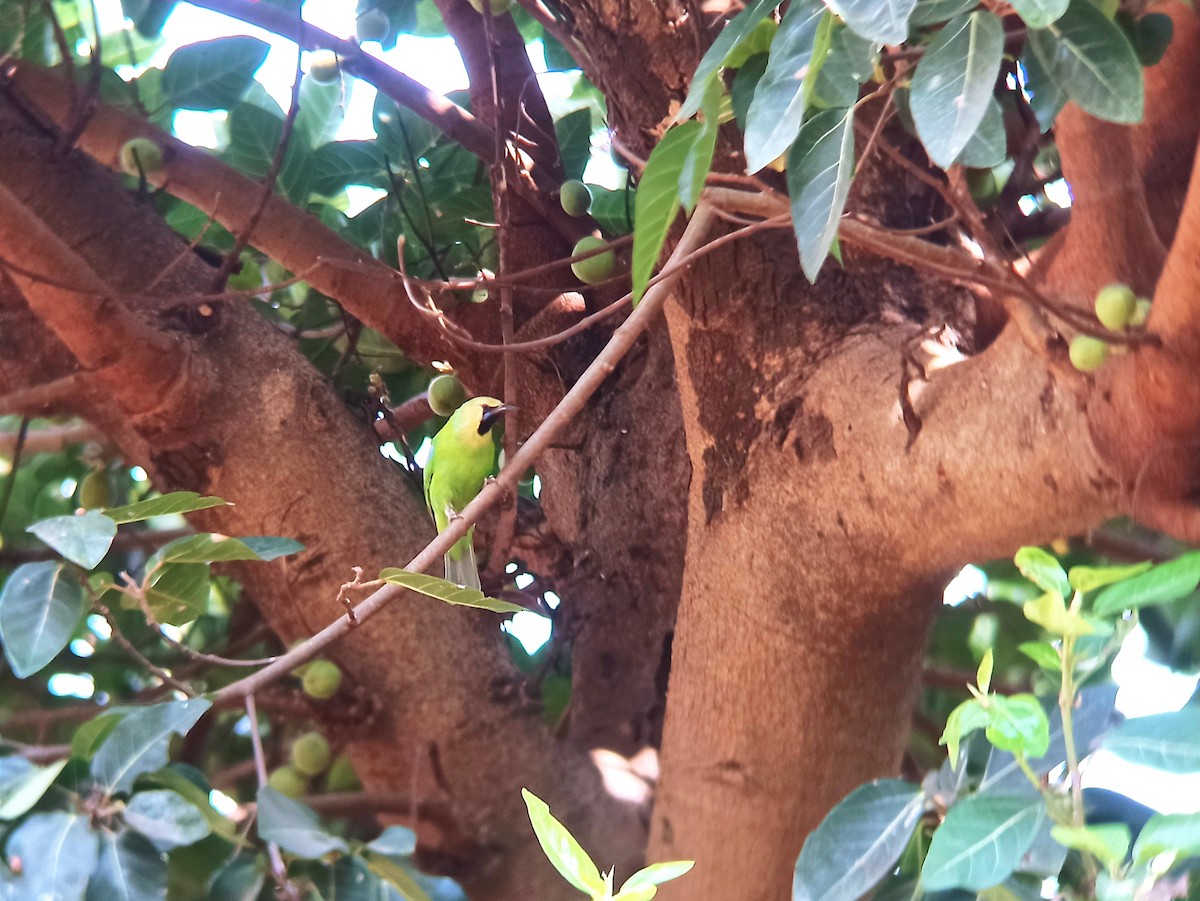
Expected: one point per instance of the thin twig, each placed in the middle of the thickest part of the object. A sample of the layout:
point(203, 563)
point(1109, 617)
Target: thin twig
point(15, 468)
point(278, 868)
point(138, 656)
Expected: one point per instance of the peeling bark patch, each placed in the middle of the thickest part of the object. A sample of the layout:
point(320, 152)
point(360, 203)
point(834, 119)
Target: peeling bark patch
point(727, 383)
point(811, 434)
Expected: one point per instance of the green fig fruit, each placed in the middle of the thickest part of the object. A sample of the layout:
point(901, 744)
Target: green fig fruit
point(1115, 305)
point(594, 269)
point(311, 754)
point(575, 197)
point(322, 679)
point(446, 394)
point(1087, 353)
point(140, 156)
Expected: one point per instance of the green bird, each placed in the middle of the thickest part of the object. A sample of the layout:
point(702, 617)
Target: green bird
point(463, 458)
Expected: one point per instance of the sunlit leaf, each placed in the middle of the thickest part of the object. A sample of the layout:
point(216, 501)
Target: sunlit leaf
point(657, 874)
point(40, 608)
point(448, 592)
point(82, 539)
point(168, 504)
point(1107, 842)
point(212, 74)
point(820, 167)
point(138, 744)
point(738, 29)
point(1176, 833)
point(658, 200)
point(215, 548)
point(561, 848)
point(1089, 578)
point(22, 784)
point(395, 872)
point(1018, 723)
point(1161, 584)
point(1043, 570)
point(698, 160)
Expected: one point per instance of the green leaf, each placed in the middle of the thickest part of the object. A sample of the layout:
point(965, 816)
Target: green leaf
point(983, 676)
point(1107, 842)
point(1043, 654)
point(745, 83)
point(293, 826)
point(953, 83)
point(176, 777)
point(885, 21)
point(1019, 724)
point(40, 607)
point(129, 869)
point(560, 847)
point(613, 210)
point(178, 592)
point(738, 29)
point(139, 742)
point(931, 12)
point(1168, 833)
point(83, 539)
point(1089, 58)
point(395, 872)
point(1161, 584)
point(574, 132)
point(241, 879)
point(850, 62)
point(1165, 741)
point(981, 842)
point(1089, 578)
point(1043, 570)
point(1040, 13)
point(403, 136)
point(90, 735)
point(395, 841)
point(858, 842)
point(776, 113)
point(964, 719)
point(166, 505)
point(698, 160)
point(254, 137)
point(322, 109)
point(215, 548)
point(212, 74)
point(1050, 612)
point(657, 201)
point(820, 166)
point(166, 819)
point(988, 146)
point(341, 163)
point(448, 592)
point(57, 851)
point(1046, 99)
point(22, 784)
point(657, 874)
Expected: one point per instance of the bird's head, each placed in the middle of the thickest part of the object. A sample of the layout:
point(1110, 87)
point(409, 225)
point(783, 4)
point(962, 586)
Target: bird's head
point(478, 416)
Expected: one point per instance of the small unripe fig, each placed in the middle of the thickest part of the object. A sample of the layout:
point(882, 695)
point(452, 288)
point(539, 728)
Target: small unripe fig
point(499, 7)
point(140, 152)
point(446, 394)
point(341, 777)
point(311, 754)
point(322, 679)
point(94, 492)
point(372, 25)
point(1114, 306)
point(1141, 313)
point(323, 68)
point(575, 197)
point(287, 781)
point(1087, 353)
point(595, 269)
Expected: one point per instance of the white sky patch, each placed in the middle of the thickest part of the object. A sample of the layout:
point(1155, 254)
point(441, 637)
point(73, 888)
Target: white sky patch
point(82, 648)
point(359, 197)
point(67, 487)
point(552, 600)
point(537, 486)
point(529, 628)
point(138, 474)
point(1058, 192)
point(222, 803)
point(200, 128)
point(969, 583)
point(73, 685)
point(1147, 687)
point(523, 581)
point(99, 626)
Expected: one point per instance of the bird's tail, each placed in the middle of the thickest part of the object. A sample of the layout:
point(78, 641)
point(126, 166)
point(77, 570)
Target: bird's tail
point(461, 568)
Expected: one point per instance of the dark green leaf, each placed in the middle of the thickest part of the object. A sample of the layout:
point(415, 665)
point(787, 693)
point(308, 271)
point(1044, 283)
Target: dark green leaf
point(342, 163)
point(1090, 60)
point(775, 114)
point(212, 74)
point(1046, 99)
point(241, 880)
point(820, 166)
point(216, 548)
point(254, 137)
point(1152, 36)
point(1107, 842)
point(139, 742)
point(293, 826)
point(1165, 741)
point(988, 146)
point(657, 201)
point(322, 109)
point(741, 94)
point(129, 869)
point(885, 21)
point(613, 210)
point(561, 848)
point(178, 592)
point(168, 504)
point(1043, 570)
point(22, 784)
point(403, 135)
point(981, 842)
point(166, 819)
point(1176, 833)
point(851, 61)
point(57, 852)
point(931, 12)
point(40, 607)
point(82, 539)
point(574, 132)
point(953, 83)
point(1162, 584)
point(858, 842)
point(738, 29)
point(447, 592)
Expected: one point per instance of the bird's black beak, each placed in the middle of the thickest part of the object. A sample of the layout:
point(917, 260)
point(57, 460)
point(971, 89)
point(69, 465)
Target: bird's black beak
point(491, 415)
